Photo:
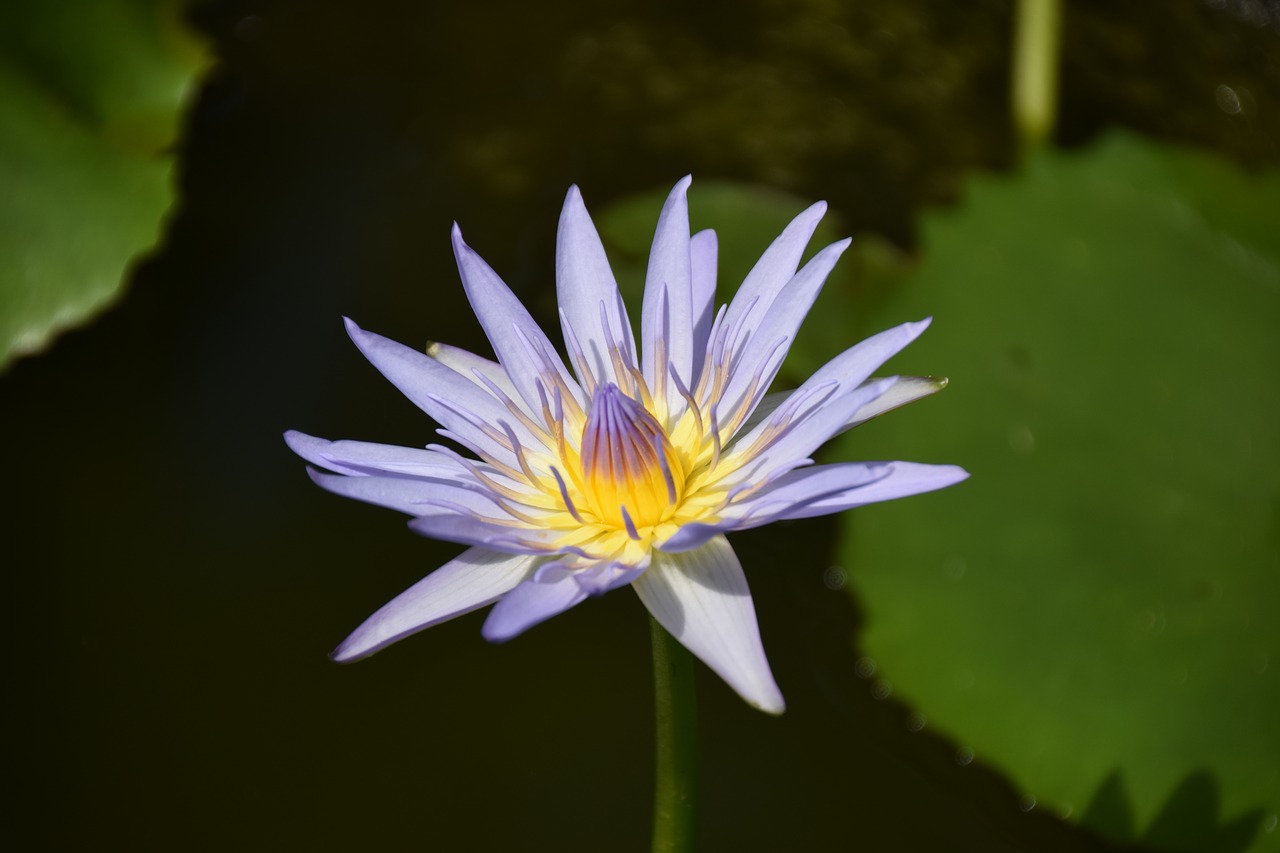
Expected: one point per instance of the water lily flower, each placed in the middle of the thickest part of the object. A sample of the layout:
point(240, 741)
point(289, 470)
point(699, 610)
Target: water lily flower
point(630, 464)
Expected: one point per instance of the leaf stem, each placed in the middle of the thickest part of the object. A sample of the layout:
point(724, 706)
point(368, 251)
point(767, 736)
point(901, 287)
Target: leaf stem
point(675, 721)
point(1037, 43)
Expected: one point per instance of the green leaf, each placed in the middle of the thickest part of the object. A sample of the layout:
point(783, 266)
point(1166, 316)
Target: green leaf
point(90, 98)
point(1094, 611)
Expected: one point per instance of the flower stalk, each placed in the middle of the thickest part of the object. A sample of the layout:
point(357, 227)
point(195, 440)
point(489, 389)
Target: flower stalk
point(675, 729)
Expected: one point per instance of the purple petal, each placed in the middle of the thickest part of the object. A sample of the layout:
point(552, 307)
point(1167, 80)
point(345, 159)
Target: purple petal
point(495, 537)
point(476, 578)
point(779, 325)
point(701, 598)
point(703, 251)
point(441, 392)
point(549, 592)
point(523, 350)
point(666, 322)
point(606, 576)
point(855, 365)
point(906, 390)
point(774, 269)
point(781, 499)
point(584, 286)
point(363, 458)
point(803, 433)
point(695, 535)
point(413, 495)
point(904, 479)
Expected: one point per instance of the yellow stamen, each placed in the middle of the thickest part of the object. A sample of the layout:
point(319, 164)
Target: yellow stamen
point(631, 475)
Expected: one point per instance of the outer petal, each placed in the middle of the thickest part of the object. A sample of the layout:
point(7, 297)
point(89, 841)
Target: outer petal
point(363, 458)
point(774, 269)
point(495, 537)
point(666, 322)
point(471, 366)
point(855, 365)
point(701, 598)
point(443, 394)
point(476, 578)
point(800, 429)
point(762, 350)
point(907, 389)
point(703, 256)
point(413, 495)
point(520, 344)
point(905, 478)
point(588, 293)
point(548, 592)
point(779, 499)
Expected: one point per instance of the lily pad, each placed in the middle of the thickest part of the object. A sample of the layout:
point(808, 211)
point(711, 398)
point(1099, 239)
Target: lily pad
point(90, 99)
point(1093, 612)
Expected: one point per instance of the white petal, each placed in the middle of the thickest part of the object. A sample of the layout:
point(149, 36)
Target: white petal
point(701, 598)
point(471, 366)
point(907, 389)
point(476, 578)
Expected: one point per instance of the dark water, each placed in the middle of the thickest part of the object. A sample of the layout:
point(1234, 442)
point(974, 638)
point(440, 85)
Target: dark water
point(176, 579)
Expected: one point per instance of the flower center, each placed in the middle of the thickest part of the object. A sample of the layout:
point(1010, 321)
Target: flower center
point(631, 475)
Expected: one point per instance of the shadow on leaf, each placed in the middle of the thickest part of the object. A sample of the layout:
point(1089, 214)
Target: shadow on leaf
point(1189, 819)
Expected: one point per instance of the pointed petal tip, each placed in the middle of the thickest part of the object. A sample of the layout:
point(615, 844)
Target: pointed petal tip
point(342, 655)
point(573, 210)
point(304, 445)
point(774, 706)
point(459, 245)
point(356, 647)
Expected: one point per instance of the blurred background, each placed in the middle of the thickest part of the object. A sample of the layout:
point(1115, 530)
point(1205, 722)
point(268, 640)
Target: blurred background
point(1075, 650)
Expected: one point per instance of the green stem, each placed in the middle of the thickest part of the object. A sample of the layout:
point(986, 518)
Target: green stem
point(675, 719)
point(1037, 42)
